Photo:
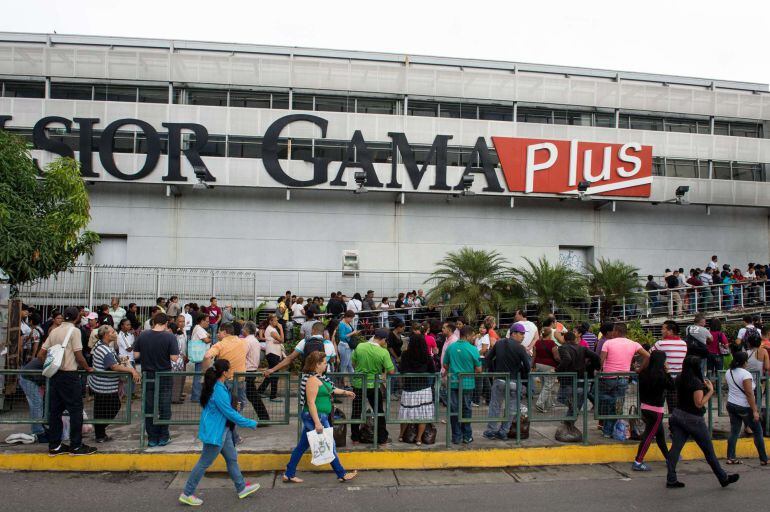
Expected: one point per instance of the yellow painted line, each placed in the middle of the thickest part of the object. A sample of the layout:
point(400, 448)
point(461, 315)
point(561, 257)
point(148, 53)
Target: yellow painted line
point(364, 460)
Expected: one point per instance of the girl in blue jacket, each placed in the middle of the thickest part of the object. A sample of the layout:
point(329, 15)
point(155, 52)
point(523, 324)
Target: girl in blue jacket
point(216, 431)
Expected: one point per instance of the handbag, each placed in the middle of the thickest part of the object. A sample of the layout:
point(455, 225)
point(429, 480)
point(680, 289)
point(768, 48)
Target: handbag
point(196, 350)
point(55, 356)
point(321, 446)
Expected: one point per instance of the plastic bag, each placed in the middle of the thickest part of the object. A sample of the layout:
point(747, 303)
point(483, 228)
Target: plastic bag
point(321, 446)
point(621, 431)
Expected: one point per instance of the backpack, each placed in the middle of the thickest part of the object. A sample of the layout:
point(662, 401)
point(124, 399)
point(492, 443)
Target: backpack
point(695, 347)
point(313, 345)
point(751, 334)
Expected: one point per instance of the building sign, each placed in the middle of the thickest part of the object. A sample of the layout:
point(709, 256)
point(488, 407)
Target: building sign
point(528, 165)
point(558, 166)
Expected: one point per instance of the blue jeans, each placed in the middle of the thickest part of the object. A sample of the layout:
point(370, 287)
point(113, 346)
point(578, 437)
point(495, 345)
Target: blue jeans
point(214, 328)
point(303, 445)
point(34, 394)
point(346, 366)
point(158, 432)
point(738, 417)
point(208, 456)
point(611, 391)
point(460, 431)
point(195, 395)
point(496, 401)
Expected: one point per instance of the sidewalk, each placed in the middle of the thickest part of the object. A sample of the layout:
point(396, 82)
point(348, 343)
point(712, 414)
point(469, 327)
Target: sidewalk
point(267, 449)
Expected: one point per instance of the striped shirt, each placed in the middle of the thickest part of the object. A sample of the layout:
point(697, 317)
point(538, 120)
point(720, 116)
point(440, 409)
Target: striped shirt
point(303, 384)
point(675, 349)
point(103, 359)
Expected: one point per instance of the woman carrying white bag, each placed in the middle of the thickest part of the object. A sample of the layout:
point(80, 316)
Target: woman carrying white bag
point(315, 397)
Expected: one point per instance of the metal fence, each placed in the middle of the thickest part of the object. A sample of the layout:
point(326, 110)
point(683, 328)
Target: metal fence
point(399, 399)
point(247, 289)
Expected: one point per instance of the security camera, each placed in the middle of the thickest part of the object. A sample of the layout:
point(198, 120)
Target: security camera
point(467, 183)
point(680, 192)
point(360, 179)
point(200, 173)
point(582, 188)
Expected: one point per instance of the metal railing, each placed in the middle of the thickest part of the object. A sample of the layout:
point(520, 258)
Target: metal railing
point(615, 397)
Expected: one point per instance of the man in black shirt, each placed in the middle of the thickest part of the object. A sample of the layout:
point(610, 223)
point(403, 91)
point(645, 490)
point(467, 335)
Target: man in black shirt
point(335, 308)
point(508, 356)
point(579, 360)
point(672, 282)
point(155, 350)
point(395, 347)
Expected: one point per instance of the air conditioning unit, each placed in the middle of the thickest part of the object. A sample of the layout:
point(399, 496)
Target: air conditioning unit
point(350, 263)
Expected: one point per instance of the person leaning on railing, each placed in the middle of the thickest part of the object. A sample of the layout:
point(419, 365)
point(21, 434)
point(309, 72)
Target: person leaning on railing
point(106, 389)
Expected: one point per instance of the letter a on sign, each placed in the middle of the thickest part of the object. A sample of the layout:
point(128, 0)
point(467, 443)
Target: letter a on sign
point(557, 166)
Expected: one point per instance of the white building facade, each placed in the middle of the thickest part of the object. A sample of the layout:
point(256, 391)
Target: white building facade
point(143, 116)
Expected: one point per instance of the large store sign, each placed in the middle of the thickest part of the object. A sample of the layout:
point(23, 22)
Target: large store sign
point(528, 165)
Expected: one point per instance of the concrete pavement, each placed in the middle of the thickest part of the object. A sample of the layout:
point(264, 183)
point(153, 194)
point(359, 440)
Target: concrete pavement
point(602, 487)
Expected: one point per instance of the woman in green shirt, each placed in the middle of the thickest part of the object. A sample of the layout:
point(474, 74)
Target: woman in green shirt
point(315, 395)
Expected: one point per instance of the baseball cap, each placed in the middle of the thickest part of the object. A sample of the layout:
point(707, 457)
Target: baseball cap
point(381, 333)
point(517, 328)
point(70, 314)
point(92, 316)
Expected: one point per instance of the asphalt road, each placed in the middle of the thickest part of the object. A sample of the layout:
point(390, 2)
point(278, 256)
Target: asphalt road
point(556, 489)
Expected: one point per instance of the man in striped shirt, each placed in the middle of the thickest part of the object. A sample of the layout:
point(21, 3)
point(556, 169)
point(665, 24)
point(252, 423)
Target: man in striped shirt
point(674, 346)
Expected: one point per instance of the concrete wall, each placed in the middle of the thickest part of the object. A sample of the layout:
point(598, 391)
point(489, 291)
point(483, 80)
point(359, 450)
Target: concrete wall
point(237, 227)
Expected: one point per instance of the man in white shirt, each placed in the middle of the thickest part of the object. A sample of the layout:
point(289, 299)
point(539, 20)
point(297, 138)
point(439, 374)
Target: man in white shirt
point(188, 320)
point(748, 326)
point(116, 312)
point(298, 311)
point(531, 334)
point(714, 263)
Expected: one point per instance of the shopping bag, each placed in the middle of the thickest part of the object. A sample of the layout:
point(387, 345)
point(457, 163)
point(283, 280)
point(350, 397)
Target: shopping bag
point(321, 446)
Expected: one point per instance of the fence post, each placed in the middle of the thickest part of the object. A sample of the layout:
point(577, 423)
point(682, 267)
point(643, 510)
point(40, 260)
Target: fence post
point(695, 298)
point(448, 412)
point(144, 412)
point(518, 409)
point(91, 288)
point(719, 296)
point(255, 293)
point(742, 290)
point(157, 282)
point(599, 306)
point(624, 309)
point(671, 303)
point(376, 409)
point(586, 388)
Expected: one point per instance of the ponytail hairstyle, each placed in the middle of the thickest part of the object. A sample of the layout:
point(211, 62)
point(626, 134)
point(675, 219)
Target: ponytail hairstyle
point(211, 377)
point(739, 360)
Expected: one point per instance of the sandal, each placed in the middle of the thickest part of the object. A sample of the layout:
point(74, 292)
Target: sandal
point(418, 443)
point(348, 477)
point(292, 480)
point(400, 439)
point(731, 462)
point(763, 463)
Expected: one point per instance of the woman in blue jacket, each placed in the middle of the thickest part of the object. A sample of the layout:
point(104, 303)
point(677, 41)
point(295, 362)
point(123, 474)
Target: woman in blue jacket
point(218, 420)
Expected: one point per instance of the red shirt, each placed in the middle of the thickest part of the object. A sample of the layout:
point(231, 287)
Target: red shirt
point(214, 312)
point(430, 340)
point(544, 352)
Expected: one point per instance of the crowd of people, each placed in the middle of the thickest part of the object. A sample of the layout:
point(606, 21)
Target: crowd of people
point(713, 287)
point(353, 338)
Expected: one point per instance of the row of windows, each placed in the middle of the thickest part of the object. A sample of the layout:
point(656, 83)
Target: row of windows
point(720, 170)
point(336, 150)
point(326, 103)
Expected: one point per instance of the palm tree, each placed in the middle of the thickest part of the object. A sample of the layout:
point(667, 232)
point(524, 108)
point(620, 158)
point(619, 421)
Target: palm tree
point(613, 280)
point(550, 286)
point(472, 279)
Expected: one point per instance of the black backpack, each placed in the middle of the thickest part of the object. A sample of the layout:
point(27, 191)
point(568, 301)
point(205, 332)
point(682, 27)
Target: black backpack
point(313, 345)
point(695, 347)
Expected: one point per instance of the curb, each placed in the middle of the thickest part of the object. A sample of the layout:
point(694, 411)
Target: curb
point(363, 460)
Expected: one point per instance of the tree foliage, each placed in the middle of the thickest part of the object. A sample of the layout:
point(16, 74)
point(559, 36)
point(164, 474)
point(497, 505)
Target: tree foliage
point(550, 286)
point(614, 280)
point(476, 279)
point(42, 217)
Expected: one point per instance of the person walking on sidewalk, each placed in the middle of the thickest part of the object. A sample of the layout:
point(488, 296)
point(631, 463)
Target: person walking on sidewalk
point(315, 397)
point(654, 382)
point(742, 408)
point(65, 387)
point(693, 394)
point(215, 430)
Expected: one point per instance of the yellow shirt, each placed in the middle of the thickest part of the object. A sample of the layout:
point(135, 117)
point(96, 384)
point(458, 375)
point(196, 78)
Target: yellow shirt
point(57, 337)
point(232, 348)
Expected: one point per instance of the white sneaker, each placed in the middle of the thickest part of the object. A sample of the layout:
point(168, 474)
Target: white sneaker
point(248, 490)
point(193, 500)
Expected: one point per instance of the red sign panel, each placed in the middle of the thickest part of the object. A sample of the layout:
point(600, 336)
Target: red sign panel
point(558, 166)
